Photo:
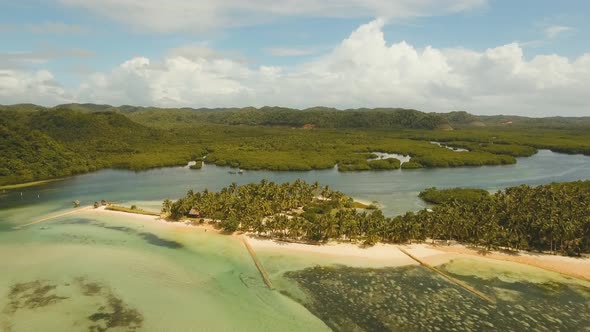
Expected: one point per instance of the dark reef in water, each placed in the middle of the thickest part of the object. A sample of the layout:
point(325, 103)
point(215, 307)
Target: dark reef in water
point(111, 312)
point(413, 299)
point(116, 315)
point(31, 295)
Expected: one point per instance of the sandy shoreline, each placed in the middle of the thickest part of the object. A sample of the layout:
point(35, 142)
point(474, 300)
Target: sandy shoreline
point(29, 184)
point(389, 254)
point(431, 254)
point(377, 255)
point(570, 266)
point(144, 218)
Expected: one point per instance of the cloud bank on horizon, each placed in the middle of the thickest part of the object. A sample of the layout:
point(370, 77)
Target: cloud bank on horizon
point(362, 70)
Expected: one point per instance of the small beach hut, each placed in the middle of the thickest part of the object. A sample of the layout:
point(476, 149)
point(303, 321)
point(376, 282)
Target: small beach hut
point(194, 213)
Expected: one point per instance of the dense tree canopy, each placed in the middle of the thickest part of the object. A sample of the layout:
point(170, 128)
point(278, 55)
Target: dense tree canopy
point(553, 217)
point(461, 195)
point(44, 144)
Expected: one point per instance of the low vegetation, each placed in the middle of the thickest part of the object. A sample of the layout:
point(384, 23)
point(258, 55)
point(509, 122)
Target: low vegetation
point(197, 165)
point(132, 209)
point(461, 195)
point(411, 165)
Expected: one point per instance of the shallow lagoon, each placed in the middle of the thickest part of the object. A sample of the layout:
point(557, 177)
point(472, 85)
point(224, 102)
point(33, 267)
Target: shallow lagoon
point(165, 278)
point(102, 272)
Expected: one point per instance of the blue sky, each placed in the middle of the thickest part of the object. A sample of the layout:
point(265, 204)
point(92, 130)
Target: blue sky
point(80, 45)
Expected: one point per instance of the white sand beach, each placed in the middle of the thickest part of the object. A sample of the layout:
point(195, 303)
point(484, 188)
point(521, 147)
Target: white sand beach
point(389, 254)
point(578, 267)
point(148, 218)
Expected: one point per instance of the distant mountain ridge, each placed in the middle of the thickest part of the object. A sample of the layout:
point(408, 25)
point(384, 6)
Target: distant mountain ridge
point(318, 116)
point(321, 117)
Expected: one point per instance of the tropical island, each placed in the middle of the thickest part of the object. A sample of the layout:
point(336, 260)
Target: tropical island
point(518, 218)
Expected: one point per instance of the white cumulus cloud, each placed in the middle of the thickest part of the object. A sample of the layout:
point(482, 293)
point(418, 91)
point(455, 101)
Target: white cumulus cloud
point(21, 86)
point(289, 51)
point(174, 81)
point(364, 70)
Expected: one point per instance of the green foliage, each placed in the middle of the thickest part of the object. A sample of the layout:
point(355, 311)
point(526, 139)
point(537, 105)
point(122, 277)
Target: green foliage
point(552, 217)
point(513, 141)
point(198, 165)
point(521, 122)
point(389, 163)
point(460, 118)
point(133, 209)
point(321, 117)
point(31, 155)
point(230, 225)
point(411, 165)
point(350, 166)
point(279, 116)
point(39, 143)
point(462, 195)
point(45, 144)
point(507, 149)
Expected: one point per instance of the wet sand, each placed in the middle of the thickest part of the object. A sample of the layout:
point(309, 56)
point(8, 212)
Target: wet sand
point(389, 254)
point(147, 218)
point(570, 266)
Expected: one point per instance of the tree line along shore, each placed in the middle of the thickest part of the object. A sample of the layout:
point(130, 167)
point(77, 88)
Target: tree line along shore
point(40, 143)
point(548, 218)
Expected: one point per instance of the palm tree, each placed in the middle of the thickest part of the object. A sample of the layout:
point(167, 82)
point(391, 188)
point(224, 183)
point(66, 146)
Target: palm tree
point(166, 206)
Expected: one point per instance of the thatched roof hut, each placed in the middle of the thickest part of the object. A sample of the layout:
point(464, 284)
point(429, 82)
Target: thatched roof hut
point(194, 213)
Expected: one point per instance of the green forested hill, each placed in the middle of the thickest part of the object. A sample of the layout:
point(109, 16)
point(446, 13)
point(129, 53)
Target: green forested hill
point(325, 117)
point(29, 155)
point(555, 122)
point(278, 116)
point(45, 144)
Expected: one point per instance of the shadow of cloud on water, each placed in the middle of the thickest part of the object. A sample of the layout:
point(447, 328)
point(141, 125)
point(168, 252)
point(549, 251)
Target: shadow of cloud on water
point(153, 239)
point(150, 238)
